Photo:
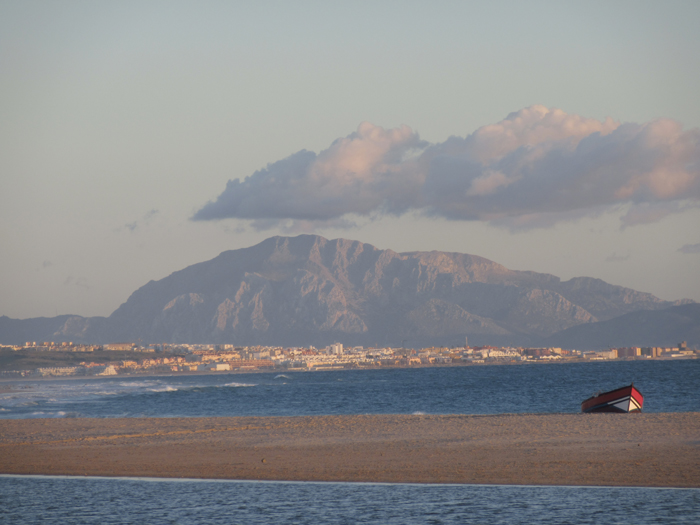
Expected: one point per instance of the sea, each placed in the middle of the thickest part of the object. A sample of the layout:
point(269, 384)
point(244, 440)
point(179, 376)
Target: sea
point(668, 386)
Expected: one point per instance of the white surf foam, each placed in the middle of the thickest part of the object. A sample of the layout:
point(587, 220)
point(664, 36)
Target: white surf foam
point(166, 388)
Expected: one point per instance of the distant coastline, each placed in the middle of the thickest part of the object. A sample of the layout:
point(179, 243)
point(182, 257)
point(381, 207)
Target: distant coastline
point(65, 364)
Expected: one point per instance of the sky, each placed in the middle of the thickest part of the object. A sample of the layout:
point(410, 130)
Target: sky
point(137, 138)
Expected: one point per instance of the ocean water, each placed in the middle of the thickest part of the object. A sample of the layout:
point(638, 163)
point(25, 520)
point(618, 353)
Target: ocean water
point(668, 386)
point(119, 501)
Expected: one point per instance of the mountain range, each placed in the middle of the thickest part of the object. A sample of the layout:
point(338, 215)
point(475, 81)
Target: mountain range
point(308, 290)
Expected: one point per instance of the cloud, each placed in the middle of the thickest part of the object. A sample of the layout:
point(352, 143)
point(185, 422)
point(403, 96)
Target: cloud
point(359, 174)
point(648, 212)
point(536, 167)
point(143, 221)
point(690, 248)
point(44, 265)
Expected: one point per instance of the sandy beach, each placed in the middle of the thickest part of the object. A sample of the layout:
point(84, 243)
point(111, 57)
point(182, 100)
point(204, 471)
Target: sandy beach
point(661, 450)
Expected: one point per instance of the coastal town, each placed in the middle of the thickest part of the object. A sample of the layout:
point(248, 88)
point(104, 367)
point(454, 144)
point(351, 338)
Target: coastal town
point(130, 358)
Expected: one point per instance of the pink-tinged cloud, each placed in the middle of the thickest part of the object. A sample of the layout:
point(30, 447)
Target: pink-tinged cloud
point(534, 168)
point(357, 174)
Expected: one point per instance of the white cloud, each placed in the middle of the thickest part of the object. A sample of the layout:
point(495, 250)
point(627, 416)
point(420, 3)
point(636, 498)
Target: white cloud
point(537, 167)
point(361, 173)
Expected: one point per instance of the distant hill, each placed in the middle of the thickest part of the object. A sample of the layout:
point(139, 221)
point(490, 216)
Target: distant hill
point(644, 328)
point(60, 328)
point(309, 290)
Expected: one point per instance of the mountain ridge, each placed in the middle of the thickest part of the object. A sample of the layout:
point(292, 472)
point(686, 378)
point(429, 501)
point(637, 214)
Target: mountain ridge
point(310, 290)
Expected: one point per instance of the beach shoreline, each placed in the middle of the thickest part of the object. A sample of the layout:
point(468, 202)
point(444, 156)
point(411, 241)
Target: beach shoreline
point(652, 450)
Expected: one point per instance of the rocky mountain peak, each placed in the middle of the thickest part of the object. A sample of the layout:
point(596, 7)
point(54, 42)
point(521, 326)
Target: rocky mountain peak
point(311, 290)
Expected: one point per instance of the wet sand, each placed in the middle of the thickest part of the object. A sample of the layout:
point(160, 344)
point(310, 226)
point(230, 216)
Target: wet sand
point(661, 450)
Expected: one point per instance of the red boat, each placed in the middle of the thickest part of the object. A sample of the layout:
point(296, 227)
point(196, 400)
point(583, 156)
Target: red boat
point(625, 399)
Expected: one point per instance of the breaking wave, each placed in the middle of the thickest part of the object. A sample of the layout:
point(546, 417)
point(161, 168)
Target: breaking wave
point(60, 413)
point(166, 388)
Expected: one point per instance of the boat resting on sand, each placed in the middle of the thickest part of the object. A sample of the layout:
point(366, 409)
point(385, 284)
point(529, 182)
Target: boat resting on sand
point(621, 400)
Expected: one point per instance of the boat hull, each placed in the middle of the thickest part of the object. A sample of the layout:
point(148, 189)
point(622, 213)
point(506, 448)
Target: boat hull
point(621, 400)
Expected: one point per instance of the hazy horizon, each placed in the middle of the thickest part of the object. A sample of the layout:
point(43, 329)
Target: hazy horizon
point(138, 139)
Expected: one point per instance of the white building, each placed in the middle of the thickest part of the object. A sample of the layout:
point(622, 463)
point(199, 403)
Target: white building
point(214, 367)
point(59, 371)
point(108, 370)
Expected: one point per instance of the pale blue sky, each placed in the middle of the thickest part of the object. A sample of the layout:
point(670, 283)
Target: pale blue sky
point(119, 120)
